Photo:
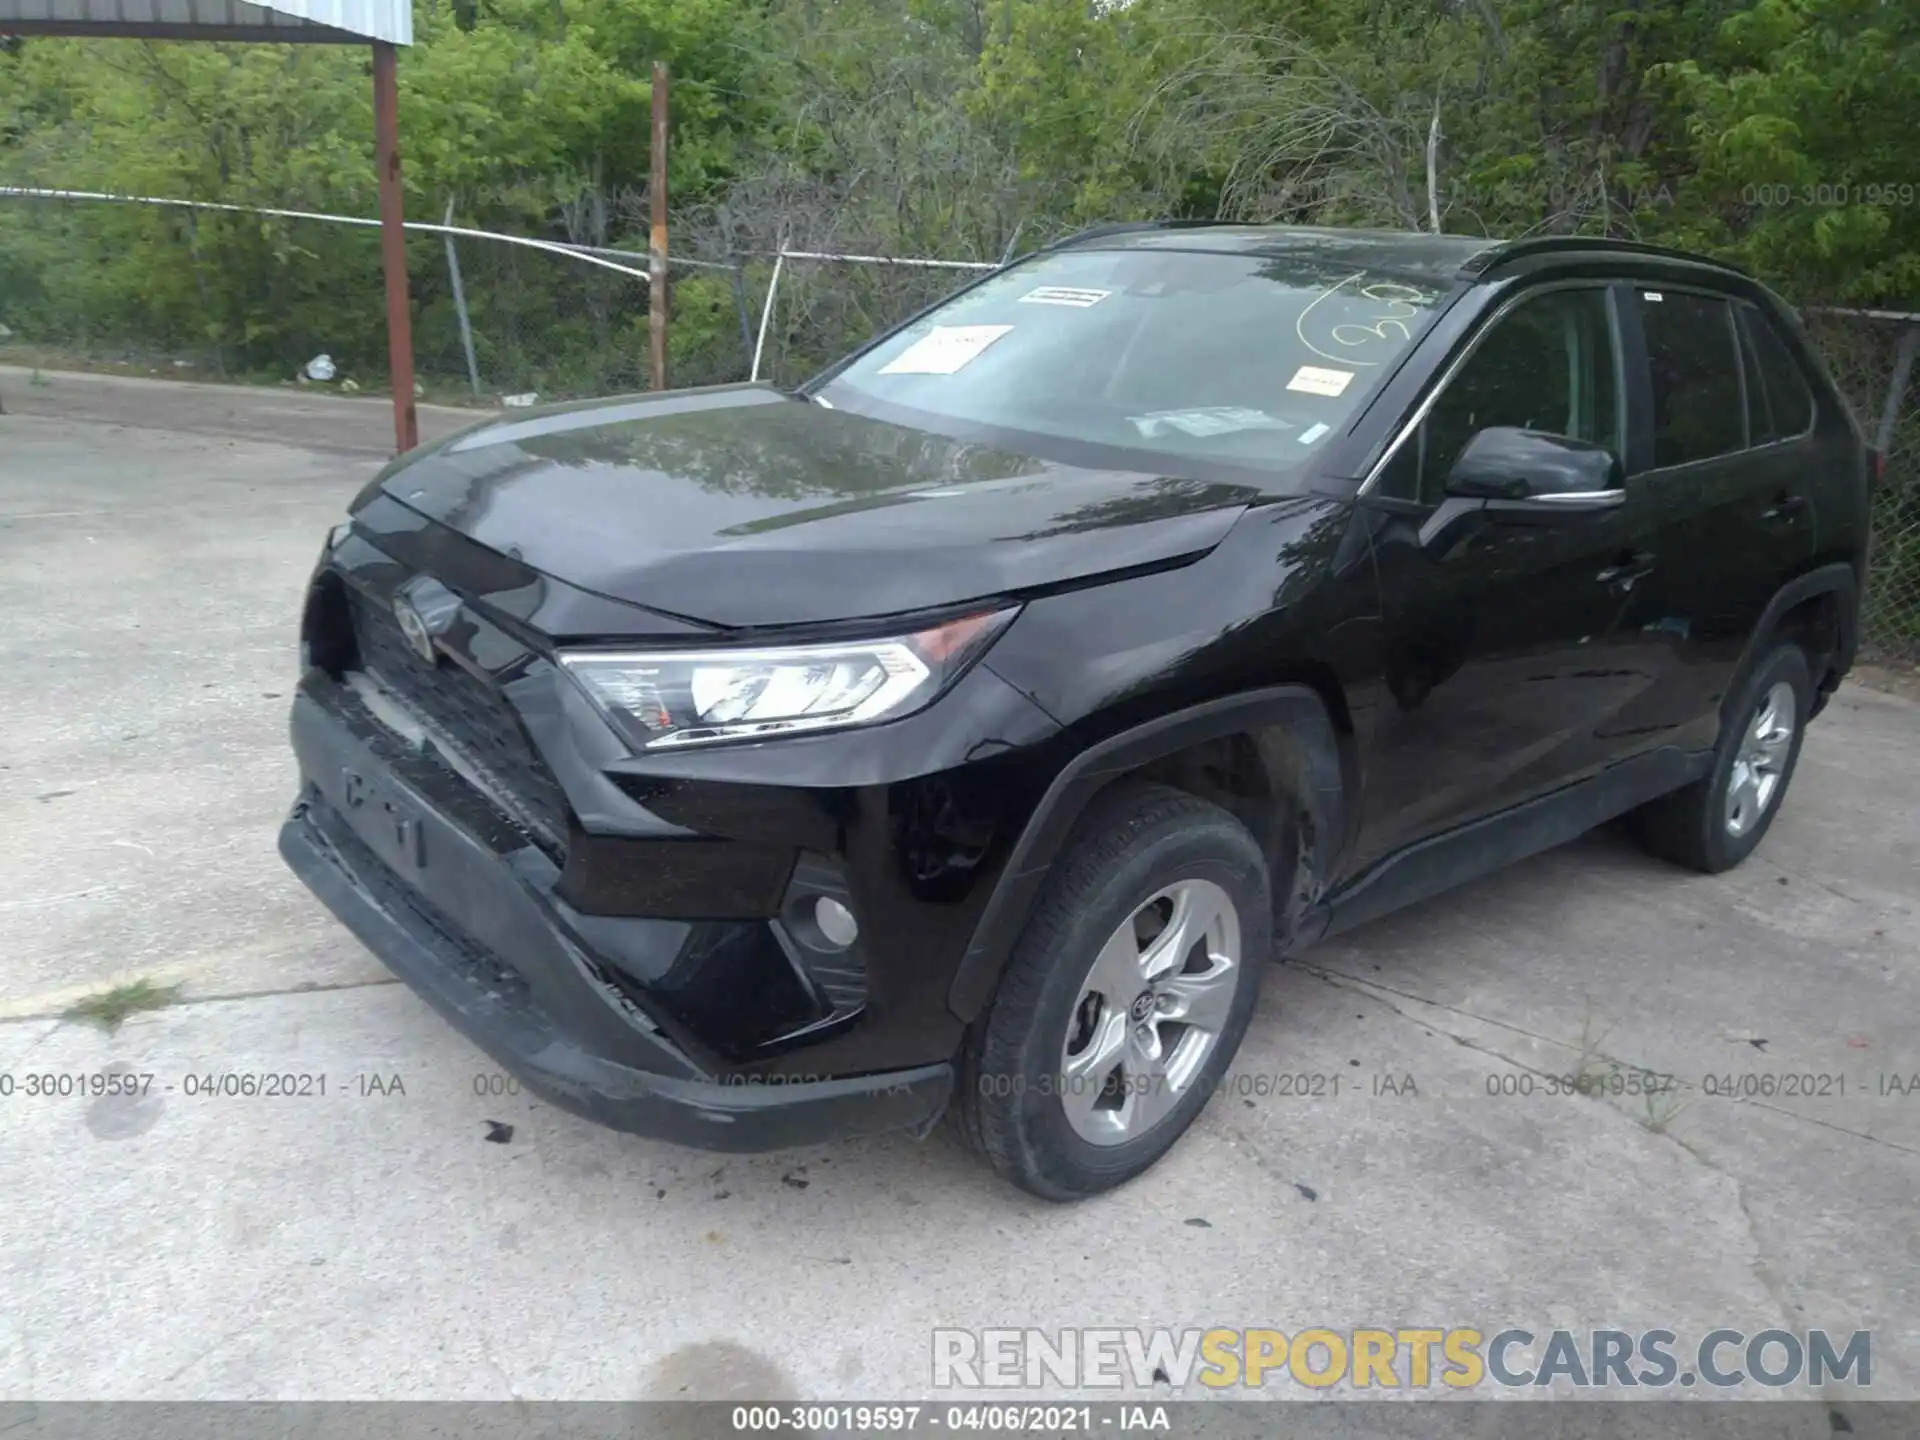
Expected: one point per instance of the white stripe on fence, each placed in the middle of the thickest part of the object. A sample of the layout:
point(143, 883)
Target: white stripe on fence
point(552, 246)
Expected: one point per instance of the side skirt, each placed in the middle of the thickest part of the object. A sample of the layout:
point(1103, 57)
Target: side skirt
point(1439, 863)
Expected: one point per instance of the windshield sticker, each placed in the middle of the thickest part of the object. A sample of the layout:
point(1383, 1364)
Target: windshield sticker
point(1313, 433)
point(944, 350)
point(1078, 298)
point(1208, 420)
point(1317, 380)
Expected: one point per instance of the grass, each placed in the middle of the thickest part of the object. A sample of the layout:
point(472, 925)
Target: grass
point(1601, 1077)
point(1661, 1107)
point(110, 1008)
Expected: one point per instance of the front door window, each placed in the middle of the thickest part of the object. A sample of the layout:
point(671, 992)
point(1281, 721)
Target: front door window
point(1548, 366)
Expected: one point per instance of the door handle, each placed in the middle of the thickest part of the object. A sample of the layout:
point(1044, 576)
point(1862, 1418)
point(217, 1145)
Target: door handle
point(1628, 566)
point(1786, 507)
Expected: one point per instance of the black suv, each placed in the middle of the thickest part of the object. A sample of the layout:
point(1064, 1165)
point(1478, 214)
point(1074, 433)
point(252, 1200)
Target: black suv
point(972, 724)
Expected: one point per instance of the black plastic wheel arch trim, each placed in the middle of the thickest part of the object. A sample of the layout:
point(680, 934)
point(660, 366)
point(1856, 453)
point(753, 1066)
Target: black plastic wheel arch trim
point(1321, 788)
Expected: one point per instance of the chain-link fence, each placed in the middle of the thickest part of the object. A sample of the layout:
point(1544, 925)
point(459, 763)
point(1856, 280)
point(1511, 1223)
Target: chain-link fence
point(250, 295)
point(1865, 351)
point(837, 284)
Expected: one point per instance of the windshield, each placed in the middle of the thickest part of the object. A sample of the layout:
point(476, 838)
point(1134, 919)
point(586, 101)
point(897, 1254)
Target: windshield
point(1166, 360)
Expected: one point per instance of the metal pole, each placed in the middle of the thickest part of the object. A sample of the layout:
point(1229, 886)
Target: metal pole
point(460, 306)
point(766, 314)
point(657, 242)
point(1433, 169)
point(1897, 391)
point(393, 244)
point(1006, 256)
point(739, 278)
point(200, 286)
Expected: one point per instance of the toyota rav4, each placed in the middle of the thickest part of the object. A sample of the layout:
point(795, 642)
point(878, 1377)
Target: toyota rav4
point(970, 726)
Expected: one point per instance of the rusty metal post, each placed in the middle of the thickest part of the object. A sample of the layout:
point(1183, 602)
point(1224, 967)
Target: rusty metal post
point(393, 244)
point(657, 242)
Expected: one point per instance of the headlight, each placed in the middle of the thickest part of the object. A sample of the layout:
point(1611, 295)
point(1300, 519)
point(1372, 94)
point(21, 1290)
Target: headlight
point(663, 698)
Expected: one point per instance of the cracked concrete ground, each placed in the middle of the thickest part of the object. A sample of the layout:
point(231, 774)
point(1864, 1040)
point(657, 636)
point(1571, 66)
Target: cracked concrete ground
point(389, 1242)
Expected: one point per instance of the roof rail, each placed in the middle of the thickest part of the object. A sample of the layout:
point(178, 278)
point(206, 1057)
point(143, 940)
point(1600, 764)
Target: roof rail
point(1505, 252)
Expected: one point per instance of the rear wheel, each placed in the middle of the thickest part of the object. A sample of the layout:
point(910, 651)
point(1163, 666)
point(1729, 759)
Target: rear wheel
point(1715, 823)
point(1125, 998)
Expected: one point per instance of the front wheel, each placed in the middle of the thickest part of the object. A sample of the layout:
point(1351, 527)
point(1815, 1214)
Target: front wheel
point(1125, 998)
point(1715, 823)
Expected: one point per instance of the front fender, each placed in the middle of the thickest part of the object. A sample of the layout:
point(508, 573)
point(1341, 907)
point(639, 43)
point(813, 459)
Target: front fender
point(1309, 774)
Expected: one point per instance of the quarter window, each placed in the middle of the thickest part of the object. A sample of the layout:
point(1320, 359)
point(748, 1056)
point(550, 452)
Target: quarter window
point(1783, 406)
point(1548, 366)
point(1698, 409)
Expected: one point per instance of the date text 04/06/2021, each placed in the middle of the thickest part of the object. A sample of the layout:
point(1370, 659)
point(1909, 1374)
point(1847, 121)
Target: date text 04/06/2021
point(999, 1418)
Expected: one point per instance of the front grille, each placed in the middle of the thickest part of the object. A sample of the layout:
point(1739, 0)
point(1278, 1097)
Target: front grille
point(467, 714)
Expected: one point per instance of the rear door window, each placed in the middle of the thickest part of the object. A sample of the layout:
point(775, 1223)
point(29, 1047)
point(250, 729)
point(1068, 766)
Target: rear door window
point(1698, 408)
point(1783, 401)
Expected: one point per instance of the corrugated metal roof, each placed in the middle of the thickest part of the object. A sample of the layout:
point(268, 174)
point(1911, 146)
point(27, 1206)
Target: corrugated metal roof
point(390, 20)
point(309, 20)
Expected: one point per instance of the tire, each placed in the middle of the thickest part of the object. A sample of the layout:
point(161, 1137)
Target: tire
point(1697, 826)
point(1058, 1087)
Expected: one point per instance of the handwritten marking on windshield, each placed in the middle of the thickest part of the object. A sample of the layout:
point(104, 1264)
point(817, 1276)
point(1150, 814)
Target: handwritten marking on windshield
point(1396, 304)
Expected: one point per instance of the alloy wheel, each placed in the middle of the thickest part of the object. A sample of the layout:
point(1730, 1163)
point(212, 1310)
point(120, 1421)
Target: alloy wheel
point(1149, 1012)
point(1761, 759)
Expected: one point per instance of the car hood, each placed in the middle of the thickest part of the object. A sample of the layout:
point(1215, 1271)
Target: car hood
point(742, 506)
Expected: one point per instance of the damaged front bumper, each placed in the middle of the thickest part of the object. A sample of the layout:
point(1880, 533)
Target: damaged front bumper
point(444, 909)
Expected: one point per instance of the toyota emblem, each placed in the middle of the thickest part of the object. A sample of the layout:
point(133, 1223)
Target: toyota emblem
point(414, 629)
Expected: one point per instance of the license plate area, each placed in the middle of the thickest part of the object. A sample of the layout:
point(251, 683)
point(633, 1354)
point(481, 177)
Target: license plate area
point(385, 820)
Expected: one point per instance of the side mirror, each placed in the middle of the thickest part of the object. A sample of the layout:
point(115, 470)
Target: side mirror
point(1529, 471)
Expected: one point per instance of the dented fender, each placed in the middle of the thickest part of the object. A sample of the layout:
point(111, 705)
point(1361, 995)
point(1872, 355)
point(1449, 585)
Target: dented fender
point(1309, 771)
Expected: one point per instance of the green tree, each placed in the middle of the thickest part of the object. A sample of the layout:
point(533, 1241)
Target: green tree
point(1802, 133)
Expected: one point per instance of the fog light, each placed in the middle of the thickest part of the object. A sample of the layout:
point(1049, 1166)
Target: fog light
point(836, 922)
